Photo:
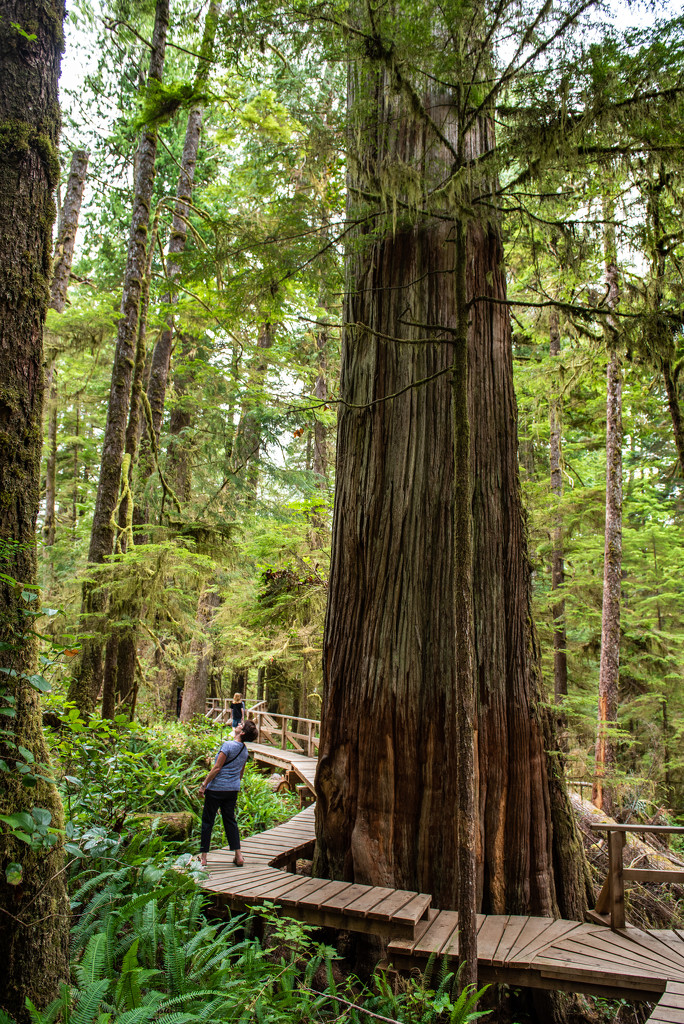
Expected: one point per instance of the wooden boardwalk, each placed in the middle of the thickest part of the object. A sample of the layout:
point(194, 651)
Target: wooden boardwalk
point(534, 952)
point(287, 760)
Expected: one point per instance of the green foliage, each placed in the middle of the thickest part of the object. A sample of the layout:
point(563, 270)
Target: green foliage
point(108, 772)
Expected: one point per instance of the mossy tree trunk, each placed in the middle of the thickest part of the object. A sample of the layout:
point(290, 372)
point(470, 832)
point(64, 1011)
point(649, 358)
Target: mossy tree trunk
point(388, 784)
point(34, 914)
point(88, 678)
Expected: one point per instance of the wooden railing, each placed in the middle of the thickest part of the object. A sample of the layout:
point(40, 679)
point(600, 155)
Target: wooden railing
point(217, 709)
point(301, 734)
point(283, 731)
point(610, 906)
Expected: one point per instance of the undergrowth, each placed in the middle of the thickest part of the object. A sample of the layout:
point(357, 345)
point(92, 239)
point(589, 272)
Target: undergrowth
point(142, 946)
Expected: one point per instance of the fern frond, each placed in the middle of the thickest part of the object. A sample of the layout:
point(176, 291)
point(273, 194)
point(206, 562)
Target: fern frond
point(89, 1000)
point(92, 966)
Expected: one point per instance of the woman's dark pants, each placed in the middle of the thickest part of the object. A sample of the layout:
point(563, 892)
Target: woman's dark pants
point(225, 803)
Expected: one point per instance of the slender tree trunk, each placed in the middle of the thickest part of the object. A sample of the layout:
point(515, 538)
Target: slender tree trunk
point(560, 660)
point(197, 679)
point(388, 788)
point(609, 670)
point(161, 357)
point(64, 255)
point(88, 679)
point(68, 226)
point(249, 433)
point(34, 920)
point(675, 409)
point(118, 686)
point(320, 453)
point(50, 523)
point(464, 627)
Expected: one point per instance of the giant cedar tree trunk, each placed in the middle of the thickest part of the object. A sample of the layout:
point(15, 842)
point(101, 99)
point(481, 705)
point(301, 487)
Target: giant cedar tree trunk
point(88, 678)
point(61, 269)
point(387, 784)
point(560, 659)
point(34, 921)
point(609, 668)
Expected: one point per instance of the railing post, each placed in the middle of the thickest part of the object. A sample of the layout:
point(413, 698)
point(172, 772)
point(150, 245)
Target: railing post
point(310, 743)
point(616, 844)
point(258, 725)
point(283, 735)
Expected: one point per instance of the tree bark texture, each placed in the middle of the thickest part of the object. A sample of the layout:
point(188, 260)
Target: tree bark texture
point(609, 669)
point(68, 226)
point(466, 710)
point(560, 658)
point(197, 679)
point(61, 269)
point(387, 782)
point(86, 684)
point(35, 914)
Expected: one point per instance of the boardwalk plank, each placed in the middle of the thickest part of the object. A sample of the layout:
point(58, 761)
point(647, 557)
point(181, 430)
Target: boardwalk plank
point(620, 944)
point(313, 885)
point(361, 906)
point(269, 875)
point(386, 909)
point(602, 954)
point(671, 1000)
point(273, 890)
point(585, 968)
point(232, 877)
point(531, 930)
point(289, 898)
point(489, 936)
point(514, 926)
point(411, 912)
point(340, 900)
point(650, 941)
point(555, 933)
point(404, 945)
point(665, 1015)
point(435, 938)
point(450, 947)
point(318, 898)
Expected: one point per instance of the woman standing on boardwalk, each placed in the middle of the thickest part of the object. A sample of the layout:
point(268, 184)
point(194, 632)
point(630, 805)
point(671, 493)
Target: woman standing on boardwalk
point(221, 787)
point(237, 710)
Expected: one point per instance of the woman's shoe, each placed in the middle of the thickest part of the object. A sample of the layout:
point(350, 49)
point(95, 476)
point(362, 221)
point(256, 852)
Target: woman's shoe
point(238, 859)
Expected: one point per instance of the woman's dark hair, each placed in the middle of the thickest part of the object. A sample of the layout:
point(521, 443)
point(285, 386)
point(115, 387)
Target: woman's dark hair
point(249, 731)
